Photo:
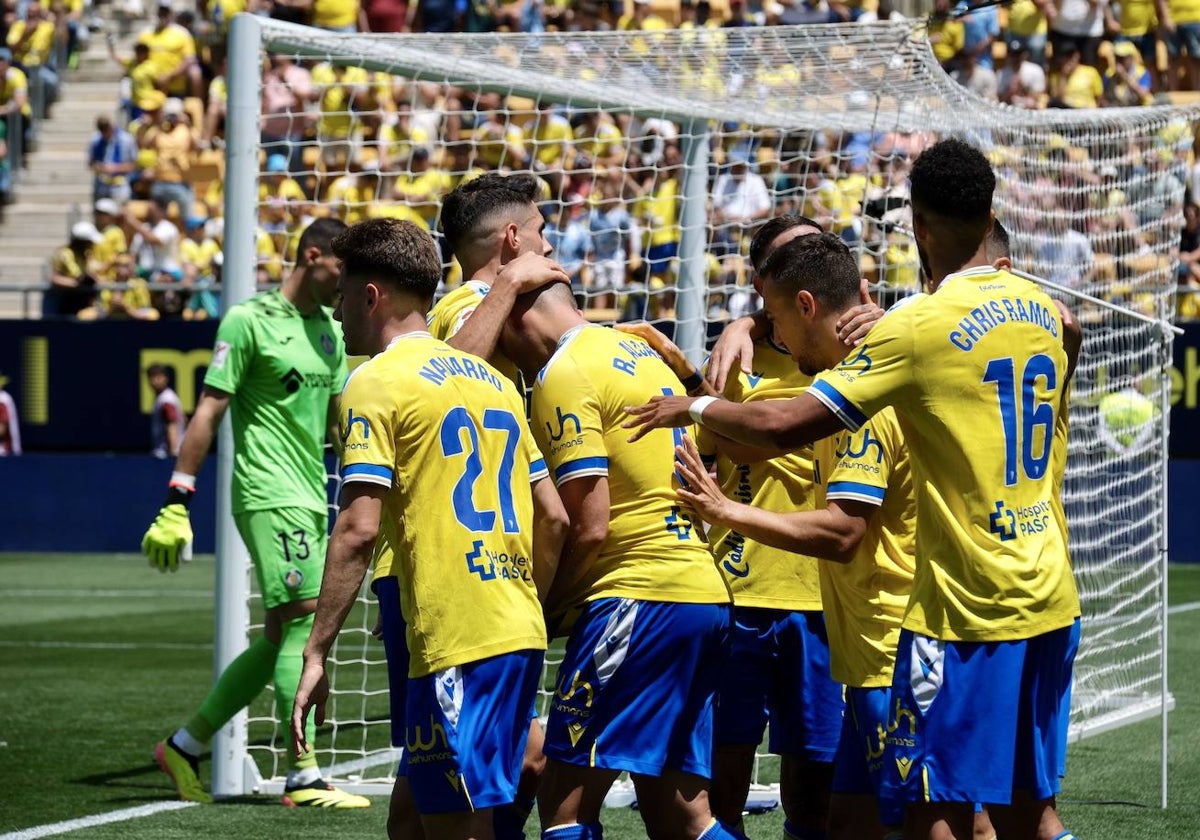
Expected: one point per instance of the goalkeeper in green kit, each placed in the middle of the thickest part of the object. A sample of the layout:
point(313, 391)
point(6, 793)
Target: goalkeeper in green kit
point(278, 365)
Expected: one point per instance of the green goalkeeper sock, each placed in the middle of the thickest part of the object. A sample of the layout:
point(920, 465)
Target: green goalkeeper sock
point(238, 684)
point(287, 680)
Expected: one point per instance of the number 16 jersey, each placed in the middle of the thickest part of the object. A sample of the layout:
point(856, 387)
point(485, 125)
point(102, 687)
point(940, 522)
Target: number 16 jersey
point(976, 373)
point(445, 433)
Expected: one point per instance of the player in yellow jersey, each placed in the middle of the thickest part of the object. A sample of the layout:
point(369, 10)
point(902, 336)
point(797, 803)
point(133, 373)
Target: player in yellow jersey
point(648, 610)
point(867, 527)
point(495, 230)
point(428, 428)
point(976, 373)
point(778, 666)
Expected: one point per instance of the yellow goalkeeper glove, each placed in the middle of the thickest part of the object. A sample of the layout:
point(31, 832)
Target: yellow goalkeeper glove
point(169, 538)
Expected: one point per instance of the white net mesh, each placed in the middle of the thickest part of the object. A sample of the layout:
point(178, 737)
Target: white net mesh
point(659, 153)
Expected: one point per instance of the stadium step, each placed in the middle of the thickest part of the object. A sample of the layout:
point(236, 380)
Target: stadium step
point(56, 187)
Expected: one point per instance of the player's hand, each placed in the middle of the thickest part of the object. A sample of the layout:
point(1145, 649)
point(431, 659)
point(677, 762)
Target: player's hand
point(660, 344)
point(531, 271)
point(169, 538)
point(735, 347)
point(311, 694)
point(697, 488)
point(659, 413)
point(377, 629)
point(857, 321)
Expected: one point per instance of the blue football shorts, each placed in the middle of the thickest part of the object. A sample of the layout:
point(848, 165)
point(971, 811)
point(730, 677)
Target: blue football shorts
point(974, 721)
point(636, 685)
point(778, 670)
point(465, 732)
point(395, 650)
point(858, 768)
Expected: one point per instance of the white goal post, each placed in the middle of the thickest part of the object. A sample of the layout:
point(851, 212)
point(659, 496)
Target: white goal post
point(828, 118)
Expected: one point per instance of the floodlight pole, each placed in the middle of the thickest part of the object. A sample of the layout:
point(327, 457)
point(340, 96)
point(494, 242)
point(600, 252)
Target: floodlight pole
point(237, 284)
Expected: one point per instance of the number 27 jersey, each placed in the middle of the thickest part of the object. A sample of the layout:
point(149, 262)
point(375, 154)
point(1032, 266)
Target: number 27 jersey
point(445, 433)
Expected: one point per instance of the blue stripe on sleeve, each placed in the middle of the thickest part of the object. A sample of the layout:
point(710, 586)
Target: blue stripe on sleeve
point(854, 490)
point(581, 466)
point(537, 470)
point(367, 472)
point(845, 410)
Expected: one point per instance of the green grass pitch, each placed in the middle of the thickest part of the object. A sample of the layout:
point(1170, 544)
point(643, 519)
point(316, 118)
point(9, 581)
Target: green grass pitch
point(100, 657)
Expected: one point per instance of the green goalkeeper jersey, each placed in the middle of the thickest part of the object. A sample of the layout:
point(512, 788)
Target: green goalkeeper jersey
point(282, 368)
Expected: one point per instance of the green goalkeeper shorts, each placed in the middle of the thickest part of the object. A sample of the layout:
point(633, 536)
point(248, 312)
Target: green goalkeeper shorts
point(288, 550)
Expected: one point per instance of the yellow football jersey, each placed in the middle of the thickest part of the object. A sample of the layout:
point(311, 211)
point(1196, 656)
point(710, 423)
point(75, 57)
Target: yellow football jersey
point(445, 433)
point(654, 551)
point(975, 373)
point(758, 575)
point(451, 312)
point(865, 599)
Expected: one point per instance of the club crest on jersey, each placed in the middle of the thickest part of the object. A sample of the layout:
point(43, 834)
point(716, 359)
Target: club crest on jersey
point(327, 344)
point(219, 355)
point(293, 579)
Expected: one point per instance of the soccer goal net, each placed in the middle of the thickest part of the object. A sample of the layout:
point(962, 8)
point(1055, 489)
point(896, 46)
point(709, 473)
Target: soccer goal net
point(658, 154)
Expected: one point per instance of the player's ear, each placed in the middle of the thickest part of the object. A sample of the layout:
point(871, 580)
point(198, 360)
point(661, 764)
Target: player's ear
point(806, 304)
point(512, 236)
point(311, 254)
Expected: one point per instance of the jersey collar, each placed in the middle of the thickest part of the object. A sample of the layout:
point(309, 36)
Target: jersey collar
point(977, 271)
point(412, 334)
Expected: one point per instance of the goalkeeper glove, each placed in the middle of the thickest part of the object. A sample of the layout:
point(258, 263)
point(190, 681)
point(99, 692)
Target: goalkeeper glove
point(169, 538)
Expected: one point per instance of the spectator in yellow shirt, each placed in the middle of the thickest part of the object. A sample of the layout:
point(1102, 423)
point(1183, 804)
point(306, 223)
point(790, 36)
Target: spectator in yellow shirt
point(1073, 84)
point(946, 35)
point(422, 187)
point(173, 50)
point(32, 43)
point(1179, 25)
point(197, 255)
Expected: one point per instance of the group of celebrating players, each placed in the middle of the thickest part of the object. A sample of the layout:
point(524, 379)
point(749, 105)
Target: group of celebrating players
point(879, 565)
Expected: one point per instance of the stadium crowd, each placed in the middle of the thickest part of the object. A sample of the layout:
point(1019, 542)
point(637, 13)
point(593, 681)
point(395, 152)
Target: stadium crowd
point(353, 144)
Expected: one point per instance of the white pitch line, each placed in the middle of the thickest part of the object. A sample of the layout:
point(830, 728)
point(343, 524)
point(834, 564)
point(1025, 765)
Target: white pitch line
point(1182, 608)
point(15, 643)
point(105, 593)
point(346, 768)
point(94, 820)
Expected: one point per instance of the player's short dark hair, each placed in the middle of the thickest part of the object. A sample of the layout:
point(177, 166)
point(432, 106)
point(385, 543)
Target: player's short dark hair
point(393, 251)
point(475, 202)
point(760, 245)
point(997, 243)
point(155, 370)
point(952, 185)
point(319, 234)
point(820, 264)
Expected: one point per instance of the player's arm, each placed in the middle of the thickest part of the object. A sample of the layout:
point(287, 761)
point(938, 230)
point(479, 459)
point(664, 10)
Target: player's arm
point(741, 453)
point(587, 503)
point(785, 425)
point(346, 562)
point(479, 333)
point(1072, 336)
point(689, 375)
point(833, 533)
point(551, 526)
point(166, 541)
point(735, 348)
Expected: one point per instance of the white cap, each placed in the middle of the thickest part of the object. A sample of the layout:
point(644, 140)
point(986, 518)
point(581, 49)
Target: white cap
point(86, 231)
point(174, 107)
point(107, 205)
